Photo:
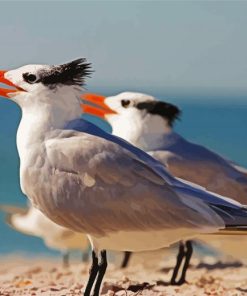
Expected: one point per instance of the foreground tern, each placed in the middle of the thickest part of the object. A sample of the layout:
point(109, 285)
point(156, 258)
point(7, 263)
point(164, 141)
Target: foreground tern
point(95, 183)
point(148, 124)
point(31, 221)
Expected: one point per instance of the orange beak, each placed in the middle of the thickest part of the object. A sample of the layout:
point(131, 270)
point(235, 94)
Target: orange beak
point(4, 92)
point(101, 110)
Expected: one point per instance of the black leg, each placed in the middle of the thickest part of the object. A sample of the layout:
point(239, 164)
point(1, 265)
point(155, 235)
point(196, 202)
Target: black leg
point(180, 256)
point(101, 273)
point(66, 259)
point(126, 259)
point(92, 274)
point(188, 255)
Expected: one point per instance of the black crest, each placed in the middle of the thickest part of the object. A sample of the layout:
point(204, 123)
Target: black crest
point(166, 110)
point(73, 73)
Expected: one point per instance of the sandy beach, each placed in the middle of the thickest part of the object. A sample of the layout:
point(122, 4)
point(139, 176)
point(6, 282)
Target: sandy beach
point(46, 276)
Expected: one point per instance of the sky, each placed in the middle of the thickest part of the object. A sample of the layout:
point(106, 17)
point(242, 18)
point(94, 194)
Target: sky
point(178, 48)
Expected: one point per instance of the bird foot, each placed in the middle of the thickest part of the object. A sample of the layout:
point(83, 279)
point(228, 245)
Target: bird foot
point(178, 283)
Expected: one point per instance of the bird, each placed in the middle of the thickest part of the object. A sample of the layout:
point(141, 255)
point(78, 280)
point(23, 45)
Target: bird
point(148, 124)
point(31, 221)
point(92, 182)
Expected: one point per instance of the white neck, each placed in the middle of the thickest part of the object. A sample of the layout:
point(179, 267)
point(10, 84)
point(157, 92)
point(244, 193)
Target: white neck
point(41, 117)
point(147, 133)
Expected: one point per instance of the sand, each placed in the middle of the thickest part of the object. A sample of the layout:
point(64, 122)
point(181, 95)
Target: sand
point(46, 276)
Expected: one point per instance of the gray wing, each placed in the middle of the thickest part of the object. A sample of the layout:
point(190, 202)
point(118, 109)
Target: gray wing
point(111, 186)
point(211, 171)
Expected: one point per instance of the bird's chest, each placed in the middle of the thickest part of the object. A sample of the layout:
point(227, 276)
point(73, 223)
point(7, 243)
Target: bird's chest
point(34, 178)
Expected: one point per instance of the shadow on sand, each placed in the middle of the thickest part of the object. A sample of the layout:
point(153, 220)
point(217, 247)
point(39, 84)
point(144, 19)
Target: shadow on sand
point(219, 265)
point(132, 287)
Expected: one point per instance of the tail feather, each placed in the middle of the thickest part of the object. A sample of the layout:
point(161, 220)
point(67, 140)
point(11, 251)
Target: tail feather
point(232, 217)
point(11, 209)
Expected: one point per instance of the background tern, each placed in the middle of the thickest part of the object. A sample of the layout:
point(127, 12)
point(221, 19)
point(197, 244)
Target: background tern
point(31, 221)
point(148, 124)
point(95, 183)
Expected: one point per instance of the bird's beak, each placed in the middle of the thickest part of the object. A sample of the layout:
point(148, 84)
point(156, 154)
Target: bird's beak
point(6, 92)
point(100, 110)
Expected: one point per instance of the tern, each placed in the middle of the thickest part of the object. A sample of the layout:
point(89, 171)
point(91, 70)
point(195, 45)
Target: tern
point(95, 183)
point(31, 221)
point(148, 123)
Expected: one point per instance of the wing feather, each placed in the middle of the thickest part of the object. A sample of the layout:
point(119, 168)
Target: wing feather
point(213, 172)
point(126, 195)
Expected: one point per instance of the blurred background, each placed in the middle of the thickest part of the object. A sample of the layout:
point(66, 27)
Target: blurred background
point(192, 54)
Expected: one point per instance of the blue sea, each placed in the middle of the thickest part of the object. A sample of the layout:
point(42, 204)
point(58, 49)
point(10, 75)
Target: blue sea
point(218, 124)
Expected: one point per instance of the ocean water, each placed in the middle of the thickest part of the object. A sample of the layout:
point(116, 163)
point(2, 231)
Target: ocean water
point(220, 125)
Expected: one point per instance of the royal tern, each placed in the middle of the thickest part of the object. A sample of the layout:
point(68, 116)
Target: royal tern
point(31, 221)
point(148, 124)
point(93, 182)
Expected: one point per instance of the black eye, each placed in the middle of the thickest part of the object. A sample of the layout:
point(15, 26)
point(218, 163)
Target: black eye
point(30, 78)
point(125, 103)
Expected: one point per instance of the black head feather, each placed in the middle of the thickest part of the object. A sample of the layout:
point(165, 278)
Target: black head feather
point(168, 111)
point(73, 73)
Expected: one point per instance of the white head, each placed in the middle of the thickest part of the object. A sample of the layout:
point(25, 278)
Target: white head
point(134, 116)
point(38, 86)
